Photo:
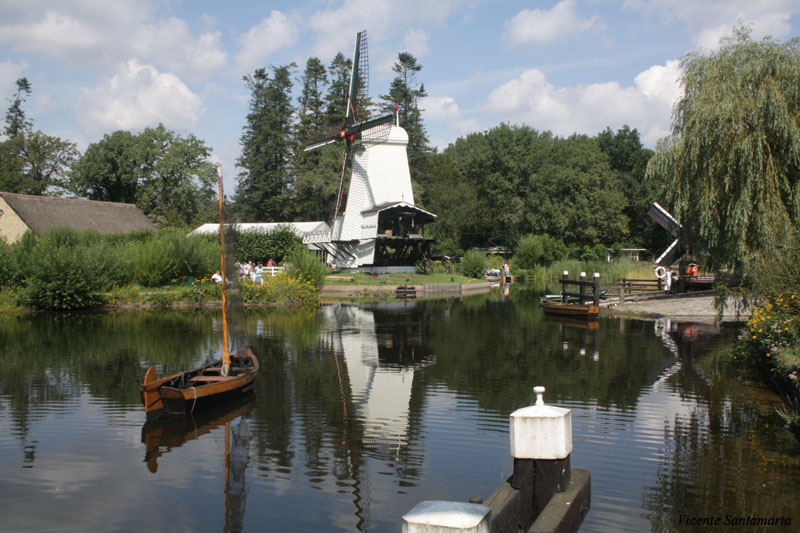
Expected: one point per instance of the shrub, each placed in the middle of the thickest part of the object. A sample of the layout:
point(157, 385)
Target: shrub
point(770, 342)
point(261, 246)
point(63, 277)
point(535, 250)
point(7, 264)
point(168, 256)
point(303, 264)
point(473, 264)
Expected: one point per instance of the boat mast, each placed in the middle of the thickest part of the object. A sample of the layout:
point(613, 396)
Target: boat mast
point(226, 356)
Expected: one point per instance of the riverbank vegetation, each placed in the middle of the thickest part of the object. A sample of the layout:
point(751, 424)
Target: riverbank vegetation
point(67, 269)
point(729, 171)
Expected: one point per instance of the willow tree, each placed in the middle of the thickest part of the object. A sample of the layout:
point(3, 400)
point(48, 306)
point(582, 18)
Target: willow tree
point(731, 167)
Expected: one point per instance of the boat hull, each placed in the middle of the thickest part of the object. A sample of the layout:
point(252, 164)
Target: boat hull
point(183, 393)
point(570, 310)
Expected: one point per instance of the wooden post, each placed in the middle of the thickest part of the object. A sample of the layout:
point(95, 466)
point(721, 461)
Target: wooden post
point(581, 288)
point(564, 277)
point(596, 288)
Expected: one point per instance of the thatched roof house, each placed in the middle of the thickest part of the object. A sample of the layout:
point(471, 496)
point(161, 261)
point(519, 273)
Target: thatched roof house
point(22, 212)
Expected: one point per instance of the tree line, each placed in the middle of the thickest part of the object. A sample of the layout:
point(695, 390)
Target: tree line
point(736, 192)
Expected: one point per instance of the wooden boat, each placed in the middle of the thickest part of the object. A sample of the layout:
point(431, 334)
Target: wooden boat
point(180, 394)
point(572, 310)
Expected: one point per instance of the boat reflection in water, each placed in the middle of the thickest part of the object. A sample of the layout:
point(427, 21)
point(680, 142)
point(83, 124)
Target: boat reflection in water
point(574, 332)
point(168, 433)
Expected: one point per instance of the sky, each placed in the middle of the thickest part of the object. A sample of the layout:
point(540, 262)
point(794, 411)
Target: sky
point(568, 66)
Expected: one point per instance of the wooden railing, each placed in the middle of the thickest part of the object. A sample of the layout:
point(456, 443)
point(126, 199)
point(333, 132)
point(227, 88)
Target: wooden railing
point(629, 287)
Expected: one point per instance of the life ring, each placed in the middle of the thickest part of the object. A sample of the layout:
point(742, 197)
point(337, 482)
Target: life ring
point(660, 272)
point(692, 270)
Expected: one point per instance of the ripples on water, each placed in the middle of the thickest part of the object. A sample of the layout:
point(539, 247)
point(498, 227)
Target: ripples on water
point(362, 412)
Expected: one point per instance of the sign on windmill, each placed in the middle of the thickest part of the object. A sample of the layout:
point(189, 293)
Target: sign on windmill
point(662, 217)
point(377, 227)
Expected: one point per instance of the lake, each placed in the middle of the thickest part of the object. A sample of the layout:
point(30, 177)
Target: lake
point(362, 411)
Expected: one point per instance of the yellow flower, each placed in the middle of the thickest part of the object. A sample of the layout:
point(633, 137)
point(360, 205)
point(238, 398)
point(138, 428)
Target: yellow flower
point(755, 337)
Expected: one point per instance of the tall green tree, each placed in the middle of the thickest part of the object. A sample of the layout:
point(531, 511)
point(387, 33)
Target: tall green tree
point(405, 92)
point(30, 160)
point(732, 162)
point(263, 187)
point(169, 177)
point(176, 180)
point(628, 159)
point(15, 116)
point(339, 88)
point(491, 188)
point(311, 104)
point(316, 171)
point(109, 169)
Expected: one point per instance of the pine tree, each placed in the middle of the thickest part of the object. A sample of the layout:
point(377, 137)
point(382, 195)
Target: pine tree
point(316, 171)
point(15, 116)
point(405, 92)
point(263, 185)
point(336, 98)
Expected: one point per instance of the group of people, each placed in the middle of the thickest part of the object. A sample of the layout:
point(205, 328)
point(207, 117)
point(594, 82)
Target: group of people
point(504, 271)
point(253, 271)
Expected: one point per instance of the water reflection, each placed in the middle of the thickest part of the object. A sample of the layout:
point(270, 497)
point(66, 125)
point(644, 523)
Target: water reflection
point(167, 433)
point(363, 411)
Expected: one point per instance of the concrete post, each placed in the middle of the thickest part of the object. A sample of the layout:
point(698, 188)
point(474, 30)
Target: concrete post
point(435, 516)
point(541, 444)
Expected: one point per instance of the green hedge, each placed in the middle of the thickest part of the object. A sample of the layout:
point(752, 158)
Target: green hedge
point(261, 246)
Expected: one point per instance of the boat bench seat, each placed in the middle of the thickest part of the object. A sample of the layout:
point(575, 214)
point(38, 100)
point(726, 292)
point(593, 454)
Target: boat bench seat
point(210, 379)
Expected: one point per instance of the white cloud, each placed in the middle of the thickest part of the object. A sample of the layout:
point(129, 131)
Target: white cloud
point(445, 115)
point(55, 34)
point(385, 19)
point(170, 44)
point(440, 107)
point(415, 42)
point(536, 26)
point(97, 32)
point(709, 20)
point(646, 106)
point(138, 96)
point(273, 33)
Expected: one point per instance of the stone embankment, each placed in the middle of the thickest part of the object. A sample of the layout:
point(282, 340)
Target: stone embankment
point(682, 307)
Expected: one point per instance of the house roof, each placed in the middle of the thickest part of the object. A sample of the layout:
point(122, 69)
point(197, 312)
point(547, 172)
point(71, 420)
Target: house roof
point(398, 206)
point(299, 228)
point(41, 213)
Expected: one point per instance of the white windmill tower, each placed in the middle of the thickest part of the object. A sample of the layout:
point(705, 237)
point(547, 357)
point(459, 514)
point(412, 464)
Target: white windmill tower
point(380, 228)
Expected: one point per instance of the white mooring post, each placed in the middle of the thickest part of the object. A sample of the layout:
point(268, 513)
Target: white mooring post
point(435, 516)
point(541, 443)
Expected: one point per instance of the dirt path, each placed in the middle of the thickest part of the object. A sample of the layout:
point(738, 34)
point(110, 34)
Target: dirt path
point(696, 309)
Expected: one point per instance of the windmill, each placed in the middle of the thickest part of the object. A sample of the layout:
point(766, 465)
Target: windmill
point(379, 229)
point(662, 217)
